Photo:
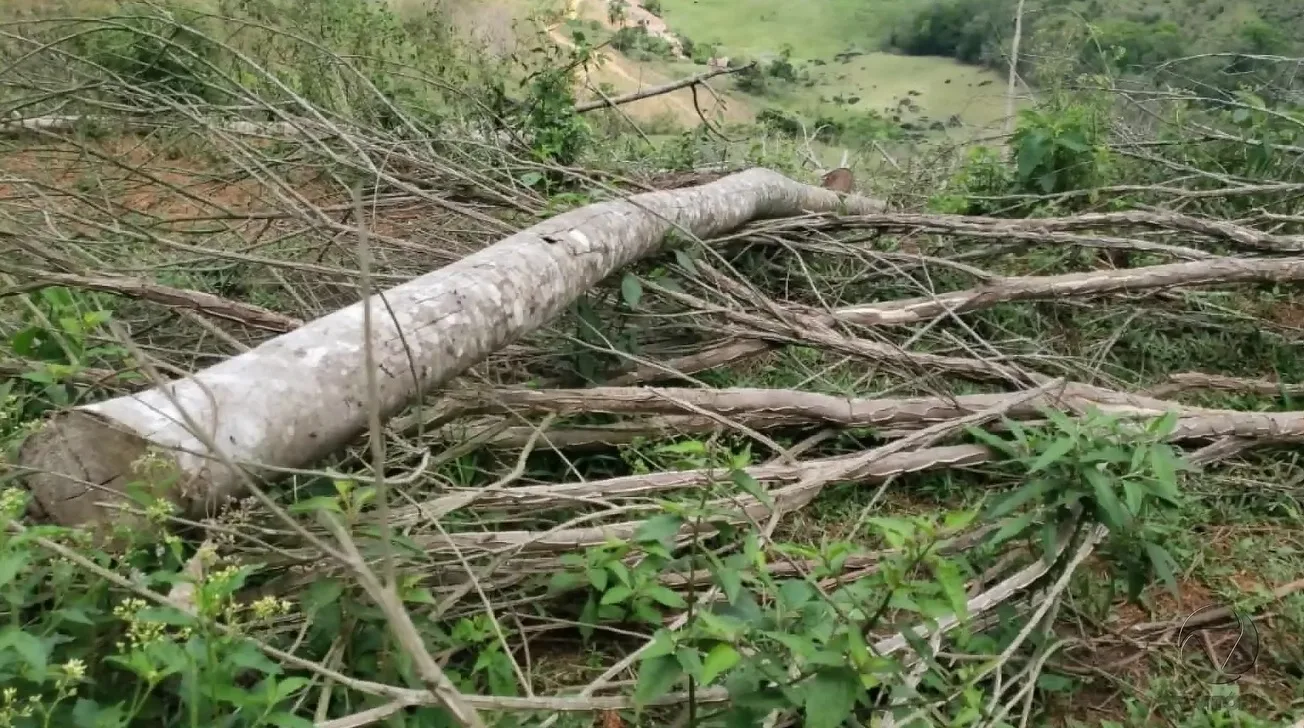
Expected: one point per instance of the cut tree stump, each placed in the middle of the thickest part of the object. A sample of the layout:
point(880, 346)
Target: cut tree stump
point(301, 396)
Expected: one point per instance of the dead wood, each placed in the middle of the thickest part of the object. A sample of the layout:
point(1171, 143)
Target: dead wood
point(762, 407)
point(817, 327)
point(1187, 381)
point(651, 91)
point(209, 304)
point(299, 397)
point(1059, 229)
point(1220, 271)
point(792, 485)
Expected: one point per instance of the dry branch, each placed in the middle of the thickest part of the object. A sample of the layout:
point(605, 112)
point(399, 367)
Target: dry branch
point(664, 88)
point(300, 396)
point(1186, 381)
point(207, 303)
point(762, 407)
point(816, 327)
point(1221, 271)
point(1062, 229)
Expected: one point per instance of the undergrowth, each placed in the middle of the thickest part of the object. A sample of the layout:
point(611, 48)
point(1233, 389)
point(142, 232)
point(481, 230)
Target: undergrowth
point(831, 614)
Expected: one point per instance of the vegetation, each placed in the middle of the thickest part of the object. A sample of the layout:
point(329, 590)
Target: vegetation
point(952, 470)
point(1116, 39)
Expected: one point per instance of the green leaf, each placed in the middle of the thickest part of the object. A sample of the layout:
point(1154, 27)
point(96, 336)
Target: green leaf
point(598, 578)
point(1164, 566)
point(588, 618)
point(1031, 153)
point(621, 571)
point(665, 596)
point(1012, 528)
point(318, 503)
point(656, 677)
point(718, 661)
point(731, 583)
point(251, 658)
point(166, 615)
point(687, 447)
point(952, 581)
point(690, 661)
point(1134, 494)
point(616, 594)
point(28, 341)
point(685, 261)
point(1165, 467)
point(28, 646)
point(956, 520)
point(748, 485)
point(564, 581)
point(1054, 683)
point(830, 697)
point(1073, 142)
point(663, 643)
point(11, 564)
point(1025, 494)
point(994, 442)
point(631, 290)
point(1052, 454)
point(289, 720)
point(795, 593)
point(1107, 503)
point(1049, 539)
point(660, 529)
point(289, 686)
point(1163, 426)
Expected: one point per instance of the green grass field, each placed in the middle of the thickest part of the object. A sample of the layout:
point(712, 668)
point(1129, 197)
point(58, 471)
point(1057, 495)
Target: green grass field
point(817, 32)
point(941, 87)
point(813, 28)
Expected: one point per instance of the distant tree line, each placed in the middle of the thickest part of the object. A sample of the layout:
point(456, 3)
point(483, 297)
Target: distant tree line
point(1134, 43)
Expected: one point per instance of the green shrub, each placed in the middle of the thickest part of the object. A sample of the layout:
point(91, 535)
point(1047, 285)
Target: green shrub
point(967, 30)
point(637, 43)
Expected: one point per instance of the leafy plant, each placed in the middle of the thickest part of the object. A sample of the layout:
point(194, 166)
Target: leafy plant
point(1099, 469)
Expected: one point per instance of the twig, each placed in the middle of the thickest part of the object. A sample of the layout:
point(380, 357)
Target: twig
point(657, 90)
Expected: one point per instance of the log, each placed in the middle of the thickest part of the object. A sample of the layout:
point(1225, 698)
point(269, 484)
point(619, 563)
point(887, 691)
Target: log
point(302, 395)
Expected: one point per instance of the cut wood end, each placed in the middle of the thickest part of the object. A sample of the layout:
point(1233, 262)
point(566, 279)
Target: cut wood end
point(76, 461)
point(839, 180)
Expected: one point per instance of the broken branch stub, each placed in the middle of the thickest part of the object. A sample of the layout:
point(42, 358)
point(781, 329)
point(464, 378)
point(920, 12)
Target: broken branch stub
point(301, 396)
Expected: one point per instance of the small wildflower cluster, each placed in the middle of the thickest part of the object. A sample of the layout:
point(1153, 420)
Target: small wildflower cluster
point(12, 503)
point(8, 406)
point(70, 674)
point(141, 632)
point(269, 608)
point(236, 514)
point(160, 510)
point(12, 709)
point(154, 467)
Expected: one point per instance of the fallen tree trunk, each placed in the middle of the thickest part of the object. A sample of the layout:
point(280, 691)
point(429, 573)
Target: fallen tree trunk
point(302, 395)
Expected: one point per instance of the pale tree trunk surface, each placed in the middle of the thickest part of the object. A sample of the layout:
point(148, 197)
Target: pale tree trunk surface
point(301, 396)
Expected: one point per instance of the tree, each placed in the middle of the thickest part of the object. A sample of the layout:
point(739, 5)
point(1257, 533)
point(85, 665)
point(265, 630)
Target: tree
point(617, 12)
point(301, 396)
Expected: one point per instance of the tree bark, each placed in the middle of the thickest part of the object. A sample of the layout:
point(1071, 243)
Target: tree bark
point(301, 396)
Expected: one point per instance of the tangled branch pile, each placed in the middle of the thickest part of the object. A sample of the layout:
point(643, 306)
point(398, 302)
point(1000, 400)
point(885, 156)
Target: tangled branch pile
point(776, 454)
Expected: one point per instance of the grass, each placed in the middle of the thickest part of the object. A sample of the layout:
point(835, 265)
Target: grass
point(813, 29)
point(938, 87)
point(818, 33)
